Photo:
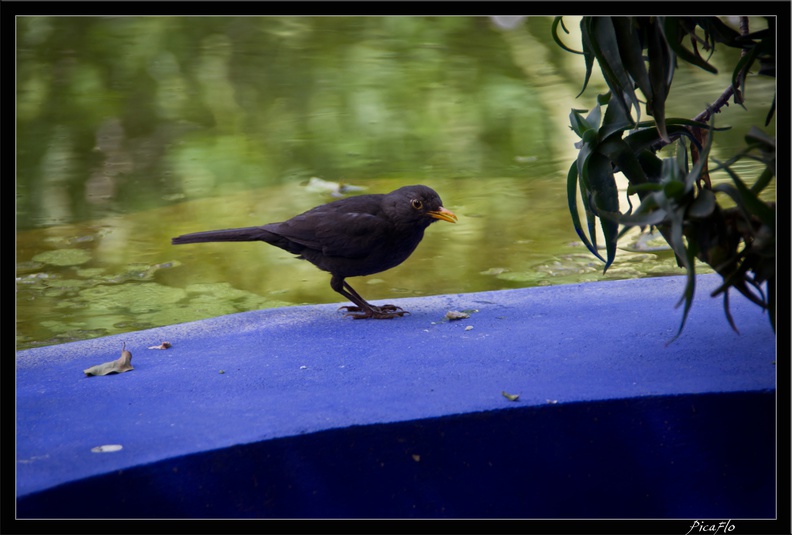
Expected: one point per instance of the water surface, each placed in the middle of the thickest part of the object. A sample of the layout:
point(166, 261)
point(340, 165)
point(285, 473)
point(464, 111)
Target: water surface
point(133, 130)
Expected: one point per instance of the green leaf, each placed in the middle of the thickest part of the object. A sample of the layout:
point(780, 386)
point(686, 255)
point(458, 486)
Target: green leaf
point(674, 35)
point(588, 54)
point(726, 310)
point(661, 71)
point(742, 67)
point(675, 238)
point(587, 147)
point(703, 205)
point(648, 137)
point(578, 124)
point(646, 219)
point(771, 111)
point(765, 48)
point(620, 153)
point(690, 289)
point(719, 31)
point(755, 136)
point(651, 165)
point(572, 189)
point(736, 279)
point(605, 196)
point(616, 120)
point(684, 122)
point(606, 49)
point(764, 179)
point(747, 200)
point(674, 189)
point(631, 52)
point(682, 156)
point(559, 21)
point(594, 118)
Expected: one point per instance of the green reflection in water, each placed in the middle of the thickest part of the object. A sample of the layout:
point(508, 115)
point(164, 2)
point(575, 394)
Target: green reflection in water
point(127, 276)
point(133, 130)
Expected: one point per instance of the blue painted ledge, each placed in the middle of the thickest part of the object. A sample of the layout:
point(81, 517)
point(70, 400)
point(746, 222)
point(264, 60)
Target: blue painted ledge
point(298, 412)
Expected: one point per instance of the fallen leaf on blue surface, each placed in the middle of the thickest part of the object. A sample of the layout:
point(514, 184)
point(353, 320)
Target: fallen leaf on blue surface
point(510, 397)
point(122, 364)
point(107, 448)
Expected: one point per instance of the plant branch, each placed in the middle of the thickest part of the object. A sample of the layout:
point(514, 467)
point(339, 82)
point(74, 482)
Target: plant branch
point(716, 106)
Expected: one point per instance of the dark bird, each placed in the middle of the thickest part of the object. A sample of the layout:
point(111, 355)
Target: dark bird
point(350, 237)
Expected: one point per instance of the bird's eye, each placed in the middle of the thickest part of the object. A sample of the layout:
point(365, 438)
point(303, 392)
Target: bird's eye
point(416, 204)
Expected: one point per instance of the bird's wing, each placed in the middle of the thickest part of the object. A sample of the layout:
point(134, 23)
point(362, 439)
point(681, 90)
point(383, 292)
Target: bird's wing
point(344, 234)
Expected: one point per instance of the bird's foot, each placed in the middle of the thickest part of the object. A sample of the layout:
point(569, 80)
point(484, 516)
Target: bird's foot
point(384, 312)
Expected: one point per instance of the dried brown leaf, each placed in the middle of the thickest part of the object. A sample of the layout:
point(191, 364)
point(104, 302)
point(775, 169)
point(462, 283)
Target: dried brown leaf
point(120, 365)
point(510, 397)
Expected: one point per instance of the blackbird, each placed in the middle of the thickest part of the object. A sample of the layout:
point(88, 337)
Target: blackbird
point(349, 237)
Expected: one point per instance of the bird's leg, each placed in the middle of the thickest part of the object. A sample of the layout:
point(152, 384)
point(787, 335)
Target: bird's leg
point(363, 304)
point(364, 309)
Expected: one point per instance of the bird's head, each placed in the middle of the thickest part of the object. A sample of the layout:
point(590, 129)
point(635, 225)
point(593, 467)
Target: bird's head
point(419, 205)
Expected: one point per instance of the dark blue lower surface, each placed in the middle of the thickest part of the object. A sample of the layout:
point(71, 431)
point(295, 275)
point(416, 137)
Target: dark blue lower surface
point(694, 456)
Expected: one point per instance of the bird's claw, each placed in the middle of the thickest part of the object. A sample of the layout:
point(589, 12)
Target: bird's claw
point(384, 312)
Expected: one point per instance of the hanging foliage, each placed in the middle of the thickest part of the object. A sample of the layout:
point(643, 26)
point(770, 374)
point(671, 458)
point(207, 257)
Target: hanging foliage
point(638, 57)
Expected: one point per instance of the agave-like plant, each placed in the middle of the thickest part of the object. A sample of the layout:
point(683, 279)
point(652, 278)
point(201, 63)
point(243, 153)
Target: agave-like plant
point(640, 54)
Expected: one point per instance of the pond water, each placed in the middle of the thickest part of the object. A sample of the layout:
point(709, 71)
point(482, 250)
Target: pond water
point(132, 130)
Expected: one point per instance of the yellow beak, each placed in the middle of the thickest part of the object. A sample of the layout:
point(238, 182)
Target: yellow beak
point(445, 215)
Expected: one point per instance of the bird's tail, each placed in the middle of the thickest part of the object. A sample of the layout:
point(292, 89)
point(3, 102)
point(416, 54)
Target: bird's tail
point(231, 234)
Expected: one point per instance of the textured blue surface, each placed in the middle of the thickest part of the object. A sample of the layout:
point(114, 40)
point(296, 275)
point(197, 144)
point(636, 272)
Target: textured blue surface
point(299, 412)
